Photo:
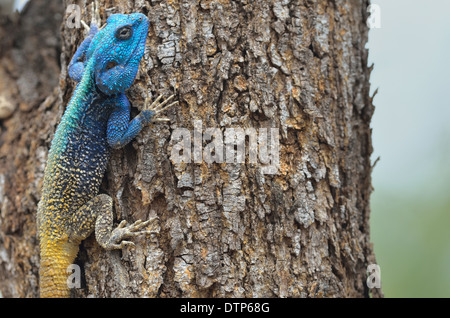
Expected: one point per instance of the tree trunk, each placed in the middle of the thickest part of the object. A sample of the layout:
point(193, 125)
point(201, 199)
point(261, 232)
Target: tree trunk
point(222, 229)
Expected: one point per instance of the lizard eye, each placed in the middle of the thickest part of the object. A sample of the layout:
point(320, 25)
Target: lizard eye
point(124, 33)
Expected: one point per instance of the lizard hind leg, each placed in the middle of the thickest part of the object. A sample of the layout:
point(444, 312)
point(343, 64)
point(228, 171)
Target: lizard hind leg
point(97, 214)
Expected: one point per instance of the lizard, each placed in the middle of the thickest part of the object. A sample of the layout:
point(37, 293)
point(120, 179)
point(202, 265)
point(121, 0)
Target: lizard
point(96, 120)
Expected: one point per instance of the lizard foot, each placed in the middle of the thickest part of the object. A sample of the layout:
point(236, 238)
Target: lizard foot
point(157, 108)
point(124, 231)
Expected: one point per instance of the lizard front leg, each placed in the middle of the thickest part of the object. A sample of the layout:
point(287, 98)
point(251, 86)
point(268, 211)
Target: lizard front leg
point(121, 130)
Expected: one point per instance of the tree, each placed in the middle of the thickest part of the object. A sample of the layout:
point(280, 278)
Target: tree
point(221, 229)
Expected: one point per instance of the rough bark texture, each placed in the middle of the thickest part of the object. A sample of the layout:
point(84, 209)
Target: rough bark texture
point(30, 52)
point(222, 230)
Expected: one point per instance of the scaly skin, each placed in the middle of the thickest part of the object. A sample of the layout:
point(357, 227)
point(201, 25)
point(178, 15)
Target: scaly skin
point(97, 119)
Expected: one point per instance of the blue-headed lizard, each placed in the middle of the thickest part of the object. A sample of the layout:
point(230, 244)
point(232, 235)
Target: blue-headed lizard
point(97, 119)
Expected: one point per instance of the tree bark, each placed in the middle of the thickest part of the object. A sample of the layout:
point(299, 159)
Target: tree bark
point(221, 229)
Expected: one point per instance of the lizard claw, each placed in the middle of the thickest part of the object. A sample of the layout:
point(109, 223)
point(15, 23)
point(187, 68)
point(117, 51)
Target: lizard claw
point(124, 231)
point(87, 27)
point(162, 119)
point(91, 30)
point(157, 108)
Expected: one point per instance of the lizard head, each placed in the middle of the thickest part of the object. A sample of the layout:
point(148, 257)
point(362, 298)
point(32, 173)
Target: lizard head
point(117, 50)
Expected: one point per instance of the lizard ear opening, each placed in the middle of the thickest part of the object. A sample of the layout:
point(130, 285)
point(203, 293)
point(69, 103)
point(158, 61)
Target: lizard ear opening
point(110, 65)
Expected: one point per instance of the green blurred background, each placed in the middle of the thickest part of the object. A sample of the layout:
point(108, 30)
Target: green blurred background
point(411, 135)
